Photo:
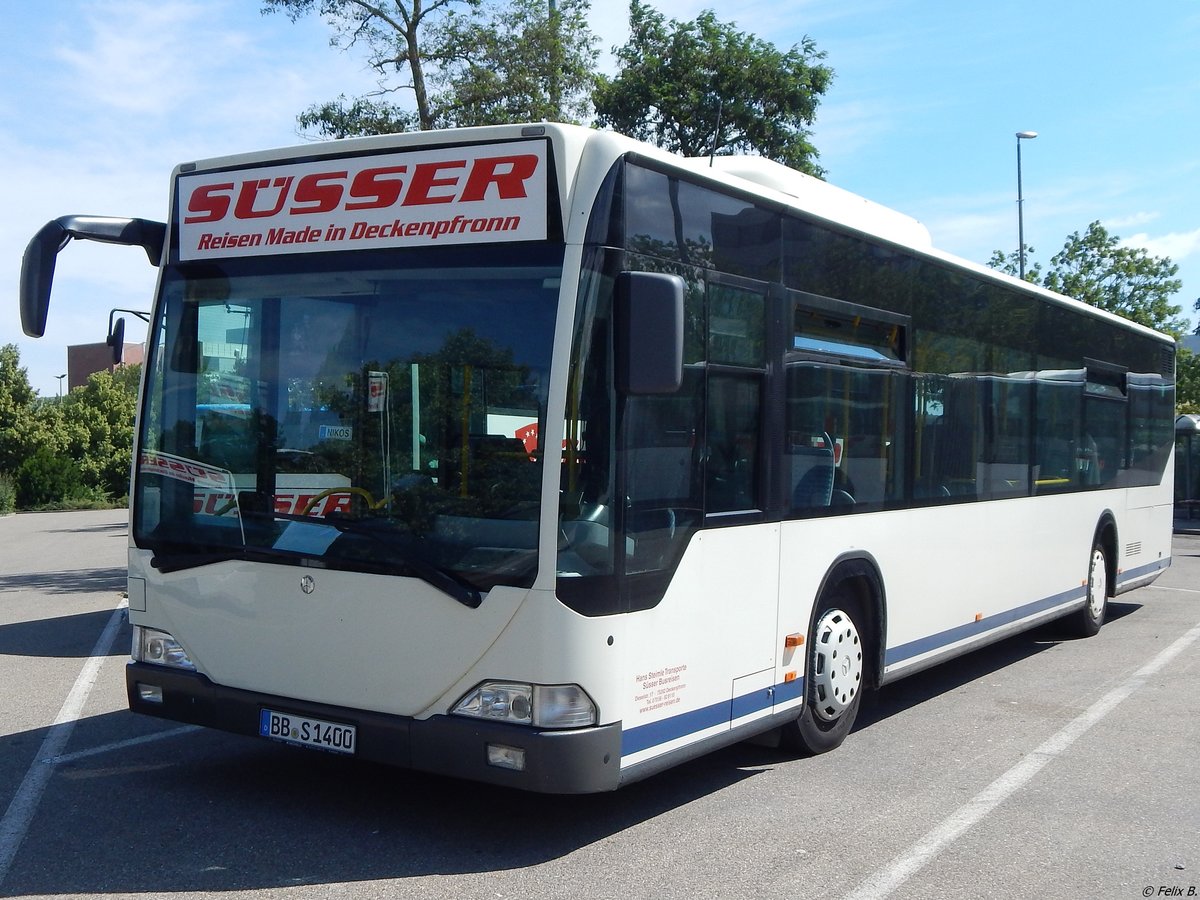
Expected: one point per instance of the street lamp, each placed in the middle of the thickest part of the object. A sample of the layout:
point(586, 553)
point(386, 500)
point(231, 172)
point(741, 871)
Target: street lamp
point(60, 378)
point(1021, 136)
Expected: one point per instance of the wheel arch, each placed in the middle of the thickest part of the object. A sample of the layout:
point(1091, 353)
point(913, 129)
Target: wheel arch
point(860, 571)
point(1105, 537)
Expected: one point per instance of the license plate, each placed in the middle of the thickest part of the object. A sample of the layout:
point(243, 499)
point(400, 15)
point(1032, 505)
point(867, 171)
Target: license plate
point(306, 732)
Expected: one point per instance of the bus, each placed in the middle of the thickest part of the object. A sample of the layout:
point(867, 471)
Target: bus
point(538, 456)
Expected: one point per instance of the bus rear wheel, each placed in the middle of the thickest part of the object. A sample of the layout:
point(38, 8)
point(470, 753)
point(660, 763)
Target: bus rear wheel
point(1088, 620)
point(836, 675)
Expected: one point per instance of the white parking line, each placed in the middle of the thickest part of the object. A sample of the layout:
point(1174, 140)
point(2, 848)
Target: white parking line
point(25, 802)
point(907, 864)
point(122, 745)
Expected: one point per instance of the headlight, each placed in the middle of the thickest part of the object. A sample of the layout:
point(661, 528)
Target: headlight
point(543, 706)
point(159, 648)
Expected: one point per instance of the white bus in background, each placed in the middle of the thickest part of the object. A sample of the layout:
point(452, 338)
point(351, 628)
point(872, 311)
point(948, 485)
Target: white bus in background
point(803, 453)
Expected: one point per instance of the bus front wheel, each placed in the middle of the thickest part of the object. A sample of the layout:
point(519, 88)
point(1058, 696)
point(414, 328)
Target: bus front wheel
point(836, 675)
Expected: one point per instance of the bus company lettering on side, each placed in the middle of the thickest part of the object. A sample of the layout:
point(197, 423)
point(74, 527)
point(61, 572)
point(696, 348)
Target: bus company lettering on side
point(454, 195)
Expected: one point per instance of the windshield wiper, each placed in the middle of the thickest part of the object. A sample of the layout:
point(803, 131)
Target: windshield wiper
point(447, 582)
point(178, 560)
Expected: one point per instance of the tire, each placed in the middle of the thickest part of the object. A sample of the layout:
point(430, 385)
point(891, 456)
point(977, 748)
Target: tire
point(1088, 620)
point(836, 675)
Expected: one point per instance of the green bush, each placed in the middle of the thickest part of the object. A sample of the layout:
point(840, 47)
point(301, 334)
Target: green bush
point(85, 497)
point(8, 494)
point(46, 478)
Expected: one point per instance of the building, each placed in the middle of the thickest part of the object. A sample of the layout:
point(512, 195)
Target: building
point(87, 359)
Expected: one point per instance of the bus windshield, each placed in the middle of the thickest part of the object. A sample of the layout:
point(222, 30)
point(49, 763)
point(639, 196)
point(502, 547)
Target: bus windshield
point(355, 411)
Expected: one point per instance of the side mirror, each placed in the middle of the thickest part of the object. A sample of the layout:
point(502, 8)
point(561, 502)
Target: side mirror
point(648, 332)
point(37, 265)
point(37, 276)
point(116, 341)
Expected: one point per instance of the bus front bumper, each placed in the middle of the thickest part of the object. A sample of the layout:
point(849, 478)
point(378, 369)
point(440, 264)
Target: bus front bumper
point(559, 762)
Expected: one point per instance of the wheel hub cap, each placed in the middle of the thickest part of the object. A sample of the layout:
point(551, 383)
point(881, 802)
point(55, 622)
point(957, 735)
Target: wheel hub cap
point(1098, 584)
point(837, 664)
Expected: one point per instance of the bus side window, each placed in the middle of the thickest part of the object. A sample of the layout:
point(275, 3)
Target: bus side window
point(809, 451)
point(1060, 446)
point(812, 469)
point(663, 491)
point(948, 437)
point(731, 464)
point(841, 447)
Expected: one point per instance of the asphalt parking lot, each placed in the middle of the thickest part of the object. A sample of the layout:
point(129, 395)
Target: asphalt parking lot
point(1037, 767)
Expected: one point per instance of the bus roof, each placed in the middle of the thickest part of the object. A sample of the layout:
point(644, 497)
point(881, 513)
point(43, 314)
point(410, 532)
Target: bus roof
point(780, 186)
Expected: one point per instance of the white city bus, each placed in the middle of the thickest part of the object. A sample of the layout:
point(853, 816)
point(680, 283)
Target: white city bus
point(538, 456)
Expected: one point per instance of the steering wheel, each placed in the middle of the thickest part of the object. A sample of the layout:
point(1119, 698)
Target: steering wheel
point(372, 504)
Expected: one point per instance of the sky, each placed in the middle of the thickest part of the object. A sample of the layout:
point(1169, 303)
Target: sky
point(100, 99)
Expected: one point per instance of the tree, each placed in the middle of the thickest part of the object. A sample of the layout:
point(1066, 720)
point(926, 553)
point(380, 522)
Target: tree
point(702, 86)
point(1095, 269)
point(21, 429)
point(343, 118)
point(15, 390)
point(97, 420)
point(522, 61)
point(467, 62)
point(1009, 264)
point(391, 30)
point(47, 477)
point(1187, 381)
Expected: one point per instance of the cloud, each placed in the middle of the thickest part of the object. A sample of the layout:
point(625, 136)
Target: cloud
point(192, 74)
point(142, 58)
point(1178, 245)
point(1133, 220)
point(100, 105)
point(843, 129)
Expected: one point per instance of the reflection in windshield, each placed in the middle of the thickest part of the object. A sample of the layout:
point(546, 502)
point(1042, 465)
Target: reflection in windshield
point(379, 419)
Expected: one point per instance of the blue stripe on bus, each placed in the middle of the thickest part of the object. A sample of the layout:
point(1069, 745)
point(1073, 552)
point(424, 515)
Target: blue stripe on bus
point(974, 629)
point(674, 727)
point(1142, 571)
